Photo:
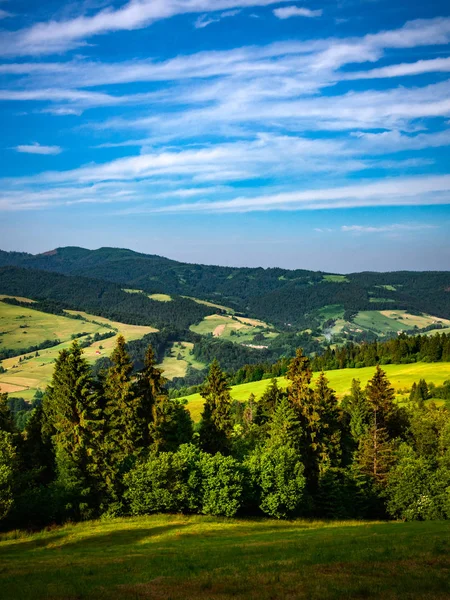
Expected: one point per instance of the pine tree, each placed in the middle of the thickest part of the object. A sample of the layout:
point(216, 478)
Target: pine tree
point(268, 403)
point(6, 418)
point(216, 423)
point(284, 428)
point(72, 409)
point(150, 388)
point(357, 407)
point(122, 406)
point(171, 426)
point(376, 454)
point(380, 398)
point(328, 427)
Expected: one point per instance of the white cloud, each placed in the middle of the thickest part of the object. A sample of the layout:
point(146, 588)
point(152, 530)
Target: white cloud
point(412, 191)
point(38, 149)
point(203, 21)
point(4, 14)
point(58, 36)
point(436, 65)
point(295, 11)
point(393, 228)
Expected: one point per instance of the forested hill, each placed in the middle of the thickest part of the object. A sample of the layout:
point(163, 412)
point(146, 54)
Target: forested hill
point(101, 298)
point(280, 296)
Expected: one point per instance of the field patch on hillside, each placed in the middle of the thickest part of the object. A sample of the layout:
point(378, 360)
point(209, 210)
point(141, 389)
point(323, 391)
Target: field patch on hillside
point(22, 327)
point(161, 297)
point(235, 329)
point(226, 309)
point(336, 278)
point(387, 321)
point(176, 364)
point(27, 373)
point(206, 558)
point(400, 376)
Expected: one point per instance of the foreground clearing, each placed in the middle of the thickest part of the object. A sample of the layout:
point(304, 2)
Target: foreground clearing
point(176, 557)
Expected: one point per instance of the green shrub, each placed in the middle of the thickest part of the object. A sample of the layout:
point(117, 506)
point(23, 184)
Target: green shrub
point(165, 482)
point(278, 479)
point(223, 485)
point(7, 470)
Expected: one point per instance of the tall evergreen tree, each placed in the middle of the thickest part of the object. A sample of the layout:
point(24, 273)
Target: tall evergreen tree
point(72, 408)
point(171, 426)
point(6, 418)
point(151, 390)
point(328, 426)
point(216, 423)
point(380, 398)
point(268, 403)
point(357, 407)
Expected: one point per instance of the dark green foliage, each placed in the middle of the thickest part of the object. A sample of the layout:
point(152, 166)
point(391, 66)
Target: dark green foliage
point(165, 482)
point(222, 485)
point(72, 411)
point(268, 403)
point(171, 425)
point(8, 472)
point(216, 424)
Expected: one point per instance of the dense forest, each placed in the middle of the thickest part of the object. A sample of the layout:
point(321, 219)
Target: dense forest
point(282, 297)
point(101, 298)
point(116, 444)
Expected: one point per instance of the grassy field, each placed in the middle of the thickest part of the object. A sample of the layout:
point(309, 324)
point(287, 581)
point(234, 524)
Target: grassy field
point(157, 297)
point(180, 358)
point(336, 278)
point(22, 327)
point(22, 379)
point(226, 309)
point(387, 321)
point(205, 558)
point(400, 376)
point(223, 325)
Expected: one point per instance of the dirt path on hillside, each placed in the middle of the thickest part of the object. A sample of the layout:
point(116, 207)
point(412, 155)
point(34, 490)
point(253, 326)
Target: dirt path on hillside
point(218, 330)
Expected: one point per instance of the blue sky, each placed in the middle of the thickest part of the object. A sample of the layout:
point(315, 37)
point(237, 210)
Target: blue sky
point(240, 132)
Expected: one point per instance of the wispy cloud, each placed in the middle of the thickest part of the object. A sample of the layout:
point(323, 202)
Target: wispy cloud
point(389, 228)
point(203, 21)
point(36, 148)
point(295, 11)
point(58, 36)
point(4, 14)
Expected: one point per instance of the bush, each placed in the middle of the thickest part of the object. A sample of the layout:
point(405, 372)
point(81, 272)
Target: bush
point(278, 479)
point(223, 485)
point(165, 482)
point(417, 490)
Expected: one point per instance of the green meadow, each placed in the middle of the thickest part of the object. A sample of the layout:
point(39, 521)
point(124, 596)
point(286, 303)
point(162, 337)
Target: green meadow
point(205, 558)
point(401, 377)
point(24, 377)
point(236, 329)
point(176, 364)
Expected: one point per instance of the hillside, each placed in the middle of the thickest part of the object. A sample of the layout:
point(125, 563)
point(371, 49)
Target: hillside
point(210, 558)
point(401, 377)
point(286, 298)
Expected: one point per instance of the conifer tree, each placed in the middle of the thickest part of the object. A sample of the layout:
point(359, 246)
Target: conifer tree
point(357, 407)
point(328, 427)
point(6, 418)
point(376, 454)
point(72, 409)
point(171, 425)
point(122, 406)
point(216, 423)
point(268, 403)
point(380, 398)
point(150, 388)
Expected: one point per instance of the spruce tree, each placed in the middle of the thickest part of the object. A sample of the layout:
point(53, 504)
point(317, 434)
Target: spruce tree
point(328, 426)
point(380, 398)
point(74, 418)
point(150, 388)
point(216, 423)
point(122, 406)
point(6, 418)
point(268, 403)
point(357, 407)
point(171, 426)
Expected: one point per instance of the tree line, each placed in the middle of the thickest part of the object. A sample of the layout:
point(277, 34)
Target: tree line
point(118, 445)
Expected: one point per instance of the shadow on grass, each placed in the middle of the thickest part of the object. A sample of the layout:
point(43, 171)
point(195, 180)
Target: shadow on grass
point(88, 542)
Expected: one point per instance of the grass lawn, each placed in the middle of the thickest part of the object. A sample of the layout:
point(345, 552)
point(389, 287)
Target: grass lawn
point(205, 558)
point(400, 376)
